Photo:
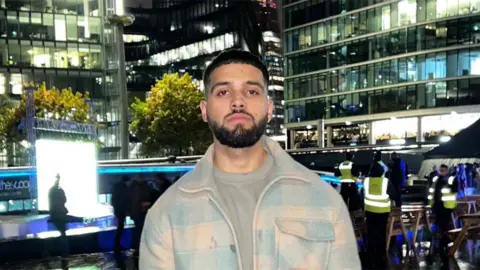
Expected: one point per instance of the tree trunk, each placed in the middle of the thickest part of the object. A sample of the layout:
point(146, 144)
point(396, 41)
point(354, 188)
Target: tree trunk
point(9, 146)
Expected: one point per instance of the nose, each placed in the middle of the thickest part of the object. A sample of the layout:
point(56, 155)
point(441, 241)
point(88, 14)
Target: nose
point(238, 101)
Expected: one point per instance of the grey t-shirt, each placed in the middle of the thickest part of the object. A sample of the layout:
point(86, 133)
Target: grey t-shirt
point(239, 195)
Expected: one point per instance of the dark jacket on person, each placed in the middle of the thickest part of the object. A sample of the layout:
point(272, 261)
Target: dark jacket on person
point(398, 173)
point(57, 200)
point(377, 170)
point(120, 198)
point(140, 193)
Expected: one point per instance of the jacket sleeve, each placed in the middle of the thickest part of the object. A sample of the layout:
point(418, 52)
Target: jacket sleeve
point(454, 185)
point(344, 251)
point(156, 245)
point(355, 170)
point(391, 190)
point(337, 172)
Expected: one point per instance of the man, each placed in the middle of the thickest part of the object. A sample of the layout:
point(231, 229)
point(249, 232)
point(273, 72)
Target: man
point(348, 173)
point(378, 193)
point(58, 213)
point(141, 195)
point(443, 199)
point(398, 176)
point(432, 174)
point(247, 204)
point(120, 198)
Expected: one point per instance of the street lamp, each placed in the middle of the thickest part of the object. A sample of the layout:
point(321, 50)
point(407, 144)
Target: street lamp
point(119, 22)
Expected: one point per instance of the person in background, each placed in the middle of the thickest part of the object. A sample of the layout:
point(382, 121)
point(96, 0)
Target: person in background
point(461, 177)
point(58, 212)
point(432, 174)
point(120, 203)
point(476, 176)
point(348, 173)
point(442, 198)
point(379, 193)
point(141, 200)
point(155, 191)
point(398, 176)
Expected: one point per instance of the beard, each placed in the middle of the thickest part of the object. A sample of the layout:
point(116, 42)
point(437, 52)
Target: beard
point(239, 137)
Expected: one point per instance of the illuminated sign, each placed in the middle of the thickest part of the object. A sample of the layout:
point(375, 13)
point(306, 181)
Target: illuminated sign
point(14, 188)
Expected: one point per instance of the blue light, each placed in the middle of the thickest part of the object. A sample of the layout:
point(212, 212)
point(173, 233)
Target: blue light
point(14, 174)
point(333, 179)
point(159, 169)
point(119, 170)
point(167, 169)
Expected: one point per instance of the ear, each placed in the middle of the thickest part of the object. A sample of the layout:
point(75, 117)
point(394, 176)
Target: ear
point(270, 109)
point(203, 109)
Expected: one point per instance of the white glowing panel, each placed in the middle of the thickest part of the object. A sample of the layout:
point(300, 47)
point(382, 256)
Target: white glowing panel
point(77, 165)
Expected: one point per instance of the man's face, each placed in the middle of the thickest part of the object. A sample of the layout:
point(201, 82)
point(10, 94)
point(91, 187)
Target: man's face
point(237, 109)
point(443, 171)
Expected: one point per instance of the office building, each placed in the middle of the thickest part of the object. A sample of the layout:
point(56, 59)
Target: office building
point(65, 43)
point(365, 72)
point(184, 36)
point(273, 57)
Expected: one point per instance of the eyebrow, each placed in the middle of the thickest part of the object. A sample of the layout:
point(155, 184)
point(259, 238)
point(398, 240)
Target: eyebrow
point(224, 83)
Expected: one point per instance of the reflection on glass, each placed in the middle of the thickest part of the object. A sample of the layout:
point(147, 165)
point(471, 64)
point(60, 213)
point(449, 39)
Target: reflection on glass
point(423, 95)
point(405, 12)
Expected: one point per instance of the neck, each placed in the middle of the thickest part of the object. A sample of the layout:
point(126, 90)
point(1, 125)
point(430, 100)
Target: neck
point(243, 160)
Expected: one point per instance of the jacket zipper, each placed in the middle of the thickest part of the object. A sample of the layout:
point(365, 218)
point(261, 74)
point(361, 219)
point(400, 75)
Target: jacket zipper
point(239, 260)
point(257, 206)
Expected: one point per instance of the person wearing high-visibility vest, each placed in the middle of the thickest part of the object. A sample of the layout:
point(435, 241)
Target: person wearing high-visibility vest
point(379, 195)
point(442, 197)
point(348, 173)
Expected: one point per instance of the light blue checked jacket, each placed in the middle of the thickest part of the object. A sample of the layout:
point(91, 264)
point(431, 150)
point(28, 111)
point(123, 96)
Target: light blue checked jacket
point(300, 223)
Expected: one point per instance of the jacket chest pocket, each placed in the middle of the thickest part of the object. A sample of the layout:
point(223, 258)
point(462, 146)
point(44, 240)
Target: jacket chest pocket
point(302, 244)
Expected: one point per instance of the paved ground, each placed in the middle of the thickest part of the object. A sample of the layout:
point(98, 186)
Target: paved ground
point(84, 262)
point(467, 258)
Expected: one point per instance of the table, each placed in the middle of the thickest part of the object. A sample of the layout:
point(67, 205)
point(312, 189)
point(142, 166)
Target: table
point(469, 221)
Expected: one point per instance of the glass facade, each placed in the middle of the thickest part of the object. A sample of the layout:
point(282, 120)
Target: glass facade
point(417, 96)
point(380, 17)
point(379, 57)
point(65, 43)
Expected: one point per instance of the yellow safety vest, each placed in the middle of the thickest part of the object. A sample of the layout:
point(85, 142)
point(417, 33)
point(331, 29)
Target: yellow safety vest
point(376, 197)
point(345, 169)
point(449, 198)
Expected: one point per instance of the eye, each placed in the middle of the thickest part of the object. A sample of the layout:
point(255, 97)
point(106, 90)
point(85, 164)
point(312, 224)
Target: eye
point(221, 93)
point(253, 92)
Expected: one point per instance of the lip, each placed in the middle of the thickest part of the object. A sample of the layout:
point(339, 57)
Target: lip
point(239, 117)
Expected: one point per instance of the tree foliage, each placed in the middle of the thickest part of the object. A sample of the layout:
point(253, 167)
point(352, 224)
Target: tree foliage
point(49, 103)
point(57, 104)
point(7, 112)
point(169, 121)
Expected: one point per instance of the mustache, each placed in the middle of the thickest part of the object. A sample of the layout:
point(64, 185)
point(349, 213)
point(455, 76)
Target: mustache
point(239, 112)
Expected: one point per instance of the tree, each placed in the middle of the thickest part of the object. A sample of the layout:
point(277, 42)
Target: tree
point(51, 103)
point(7, 112)
point(169, 121)
point(56, 104)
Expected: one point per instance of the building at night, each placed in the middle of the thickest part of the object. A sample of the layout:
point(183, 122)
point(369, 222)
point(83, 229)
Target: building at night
point(364, 72)
point(267, 17)
point(184, 36)
point(65, 43)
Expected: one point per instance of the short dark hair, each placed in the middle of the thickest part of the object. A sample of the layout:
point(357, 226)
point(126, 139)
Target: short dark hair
point(349, 156)
point(377, 156)
point(234, 56)
point(443, 166)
